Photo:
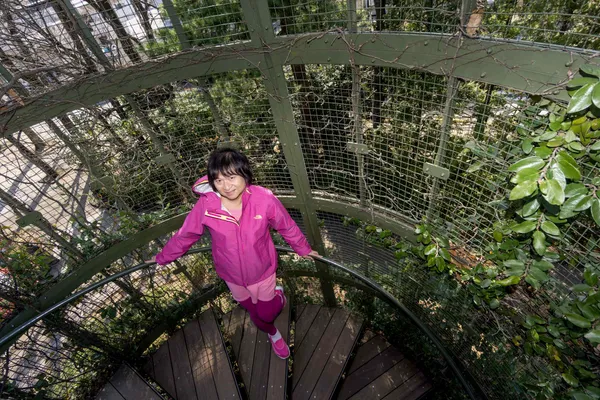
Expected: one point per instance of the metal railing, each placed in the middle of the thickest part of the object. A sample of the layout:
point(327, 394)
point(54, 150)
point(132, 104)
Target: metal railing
point(463, 376)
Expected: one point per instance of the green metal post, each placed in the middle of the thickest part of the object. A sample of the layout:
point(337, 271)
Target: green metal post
point(356, 110)
point(85, 32)
point(258, 17)
point(176, 22)
point(21, 209)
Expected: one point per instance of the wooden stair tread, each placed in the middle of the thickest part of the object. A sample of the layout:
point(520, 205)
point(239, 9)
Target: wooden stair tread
point(325, 339)
point(193, 363)
point(126, 384)
point(263, 373)
point(380, 371)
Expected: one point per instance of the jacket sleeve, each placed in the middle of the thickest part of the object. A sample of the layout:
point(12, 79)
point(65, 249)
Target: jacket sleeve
point(189, 233)
point(280, 220)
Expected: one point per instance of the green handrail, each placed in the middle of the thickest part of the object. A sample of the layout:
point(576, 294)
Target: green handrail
point(450, 359)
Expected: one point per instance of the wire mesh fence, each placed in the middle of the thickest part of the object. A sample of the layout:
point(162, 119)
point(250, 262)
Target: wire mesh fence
point(99, 174)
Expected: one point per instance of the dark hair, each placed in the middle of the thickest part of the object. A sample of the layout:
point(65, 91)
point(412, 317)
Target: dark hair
point(227, 162)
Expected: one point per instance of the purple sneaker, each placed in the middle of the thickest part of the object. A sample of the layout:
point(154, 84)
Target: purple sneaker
point(279, 345)
point(279, 292)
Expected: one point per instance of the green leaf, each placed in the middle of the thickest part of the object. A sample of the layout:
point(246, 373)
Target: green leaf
point(539, 242)
point(527, 145)
point(431, 249)
point(530, 208)
point(590, 277)
point(595, 146)
point(571, 137)
point(534, 319)
point(514, 264)
point(568, 165)
point(548, 135)
point(596, 96)
point(576, 147)
point(578, 320)
point(494, 303)
point(498, 236)
point(574, 189)
point(543, 265)
point(553, 330)
point(533, 282)
point(588, 311)
point(511, 280)
point(590, 70)
point(523, 190)
point(555, 194)
point(524, 227)
point(579, 82)
point(595, 210)
point(550, 228)
point(581, 396)
point(570, 379)
point(581, 287)
point(542, 151)
point(581, 99)
point(526, 174)
point(593, 336)
point(476, 166)
point(529, 162)
point(538, 274)
point(445, 254)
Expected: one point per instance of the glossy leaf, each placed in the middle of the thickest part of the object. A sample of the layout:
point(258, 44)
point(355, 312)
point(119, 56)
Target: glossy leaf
point(574, 189)
point(542, 151)
point(523, 190)
point(593, 336)
point(578, 320)
point(511, 280)
point(568, 165)
point(581, 81)
point(576, 146)
point(555, 194)
point(595, 146)
point(591, 70)
point(581, 99)
point(543, 265)
point(524, 227)
point(570, 379)
point(526, 174)
point(596, 96)
point(538, 274)
point(529, 162)
point(530, 208)
point(527, 146)
point(550, 228)
point(595, 209)
point(539, 242)
point(533, 282)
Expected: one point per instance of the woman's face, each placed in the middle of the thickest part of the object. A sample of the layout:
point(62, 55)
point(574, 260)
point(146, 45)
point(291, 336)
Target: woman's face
point(231, 187)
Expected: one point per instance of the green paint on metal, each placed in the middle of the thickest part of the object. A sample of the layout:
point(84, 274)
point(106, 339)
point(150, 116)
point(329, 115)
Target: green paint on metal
point(176, 22)
point(387, 219)
point(165, 159)
point(84, 273)
point(87, 35)
point(5, 73)
point(451, 89)
point(436, 171)
point(358, 148)
point(31, 218)
point(511, 65)
point(259, 22)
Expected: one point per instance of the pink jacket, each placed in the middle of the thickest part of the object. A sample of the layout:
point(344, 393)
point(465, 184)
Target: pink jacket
point(243, 251)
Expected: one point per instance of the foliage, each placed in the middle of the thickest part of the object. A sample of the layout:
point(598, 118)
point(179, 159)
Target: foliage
point(551, 189)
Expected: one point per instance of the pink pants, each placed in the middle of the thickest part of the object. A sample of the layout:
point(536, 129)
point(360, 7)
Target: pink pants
point(260, 301)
